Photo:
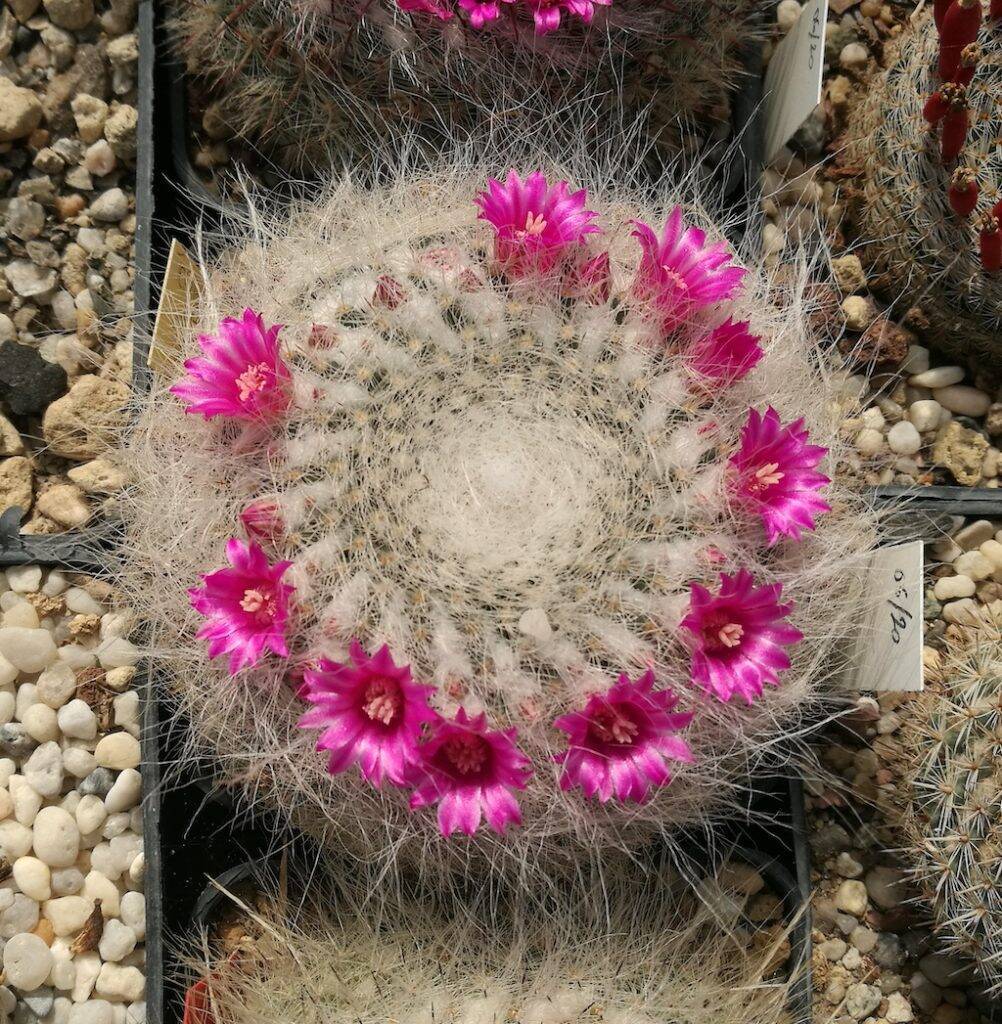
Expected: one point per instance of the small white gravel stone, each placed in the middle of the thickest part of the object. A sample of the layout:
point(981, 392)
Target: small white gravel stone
point(90, 814)
point(29, 650)
point(64, 972)
point(77, 720)
point(120, 983)
point(975, 565)
point(24, 579)
point(67, 914)
point(44, 769)
point(80, 602)
point(133, 912)
point(117, 652)
point(15, 839)
point(117, 942)
point(126, 708)
point(949, 587)
point(57, 684)
point(27, 802)
point(93, 1011)
point(21, 915)
point(97, 887)
point(872, 418)
point(137, 872)
point(6, 804)
point(869, 441)
point(79, 761)
point(964, 612)
point(851, 898)
point(973, 535)
point(963, 400)
point(938, 377)
point(88, 967)
point(8, 673)
point(56, 837)
point(125, 793)
point(41, 723)
point(903, 438)
point(26, 961)
point(33, 878)
point(118, 750)
point(66, 881)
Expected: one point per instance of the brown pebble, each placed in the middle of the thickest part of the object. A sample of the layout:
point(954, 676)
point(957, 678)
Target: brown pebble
point(45, 931)
point(69, 206)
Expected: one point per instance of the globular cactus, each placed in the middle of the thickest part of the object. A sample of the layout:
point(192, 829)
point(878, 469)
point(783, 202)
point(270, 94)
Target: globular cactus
point(528, 524)
point(318, 84)
point(927, 207)
point(953, 742)
point(630, 952)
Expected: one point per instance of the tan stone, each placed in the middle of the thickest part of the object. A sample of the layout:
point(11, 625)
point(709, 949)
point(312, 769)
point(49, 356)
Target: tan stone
point(16, 486)
point(84, 422)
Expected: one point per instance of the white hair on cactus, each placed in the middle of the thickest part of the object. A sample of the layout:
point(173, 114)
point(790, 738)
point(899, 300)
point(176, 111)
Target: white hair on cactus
point(513, 491)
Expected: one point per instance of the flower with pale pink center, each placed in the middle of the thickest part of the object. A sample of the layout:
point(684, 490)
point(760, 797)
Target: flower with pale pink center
point(773, 474)
point(371, 712)
point(723, 355)
point(534, 222)
point(737, 636)
point(471, 771)
point(246, 606)
point(241, 374)
point(436, 10)
point(547, 13)
point(679, 274)
point(481, 11)
point(262, 521)
point(620, 744)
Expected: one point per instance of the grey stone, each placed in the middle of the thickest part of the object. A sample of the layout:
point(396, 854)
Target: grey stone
point(29, 280)
point(28, 383)
point(98, 783)
point(25, 218)
point(861, 1000)
point(15, 741)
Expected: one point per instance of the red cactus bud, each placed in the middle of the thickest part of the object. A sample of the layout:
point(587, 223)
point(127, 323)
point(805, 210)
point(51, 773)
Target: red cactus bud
point(970, 55)
point(963, 192)
point(995, 10)
point(950, 96)
point(939, 12)
point(990, 241)
point(935, 108)
point(960, 28)
point(389, 292)
point(955, 125)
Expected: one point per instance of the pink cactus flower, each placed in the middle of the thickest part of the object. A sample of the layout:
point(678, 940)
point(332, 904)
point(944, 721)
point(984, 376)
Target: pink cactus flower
point(481, 12)
point(470, 771)
point(591, 280)
point(773, 474)
point(621, 742)
point(738, 636)
point(547, 13)
point(534, 222)
point(679, 274)
point(371, 713)
point(724, 355)
point(262, 521)
point(436, 10)
point(246, 606)
point(241, 376)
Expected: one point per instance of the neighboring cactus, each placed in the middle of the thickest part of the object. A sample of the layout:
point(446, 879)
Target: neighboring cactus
point(927, 234)
point(619, 954)
point(538, 474)
point(953, 745)
point(315, 85)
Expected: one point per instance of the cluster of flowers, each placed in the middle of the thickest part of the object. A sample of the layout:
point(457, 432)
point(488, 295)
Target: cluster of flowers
point(546, 14)
point(958, 23)
point(372, 713)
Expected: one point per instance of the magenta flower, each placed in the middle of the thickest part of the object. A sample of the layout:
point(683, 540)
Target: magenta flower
point(590, 279)
point(724, 355)
point(774, 475)
point(436, 10)
point(738, 636)
point(247, 606)
point(547, 13)
point(262, 521)
point(470, 771)
point(241, 375)
point(678, 273)
point(619, 745)
point(371, 714)
point(481, 12)
point(534, 222)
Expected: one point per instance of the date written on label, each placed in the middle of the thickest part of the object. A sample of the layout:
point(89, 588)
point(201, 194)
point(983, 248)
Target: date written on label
point(888, 650)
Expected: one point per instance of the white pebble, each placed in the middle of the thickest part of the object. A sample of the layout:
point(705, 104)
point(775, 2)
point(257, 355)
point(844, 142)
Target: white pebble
point(6, 804)
point(56, 837)
point(137, 872)
point(29, 650)
point(125, 849)
point(97, 887)
point(21, 914)
point(116, 825)
point(963, 400)
point(44, 769)
point(93, 1011)
point(27, 696)
point(7, 705)
point(33, 878)
point(8, 673)
point(88, 967)
point(15, 839)
point(975, 565)
point(939, 377)
point(133, 912)
point(872, 418)
point(869, 441)
point(117, 942)
point(40, 721)
point(79, 601)
point(79, 761)
point(55, 583)
point(24, 579)
point(904, 439)
point(787, 14)
point(77, 720)
point(916, 361)
point(117, 652)
point(964, 612)
point(90, 814)
point(67, 881)
point(63, 975)
point(26, 961)
point(125, 792)
point(27, 802)
point(57, 684)
point(136, 1013)
point(126, 707)
point(949, 587)
point(120, 983)
point(925, 415)
point(67, 914)
point(76, 656)
point(118, 750)
point(992, 550)
point(21, 614)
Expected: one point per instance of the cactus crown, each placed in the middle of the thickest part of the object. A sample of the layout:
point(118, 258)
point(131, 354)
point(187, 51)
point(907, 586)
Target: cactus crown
point(910, 234)
point(955, 816)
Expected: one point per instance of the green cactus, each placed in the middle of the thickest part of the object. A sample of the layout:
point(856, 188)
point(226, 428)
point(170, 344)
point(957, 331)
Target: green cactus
point(916, 245)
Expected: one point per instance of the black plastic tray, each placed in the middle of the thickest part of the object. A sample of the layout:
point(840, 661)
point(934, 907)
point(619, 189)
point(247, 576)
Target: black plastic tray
point(970, 502)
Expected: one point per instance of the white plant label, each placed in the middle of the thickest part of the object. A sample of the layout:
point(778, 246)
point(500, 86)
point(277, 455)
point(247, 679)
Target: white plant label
point(794, 80)
point(888, 652)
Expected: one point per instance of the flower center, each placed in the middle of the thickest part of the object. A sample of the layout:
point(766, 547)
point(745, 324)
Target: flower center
point(260, 603)
point(466, 752)
point(613, 725)
point(535, 224)
point(719, 635)
point(253, 379)
point(675, 279)
point(766, 476)
point(382, 700)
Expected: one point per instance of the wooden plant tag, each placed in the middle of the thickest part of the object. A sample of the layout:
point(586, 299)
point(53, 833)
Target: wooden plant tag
point(178, 295)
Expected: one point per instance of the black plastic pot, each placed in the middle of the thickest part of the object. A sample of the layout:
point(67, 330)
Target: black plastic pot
point(969, 502)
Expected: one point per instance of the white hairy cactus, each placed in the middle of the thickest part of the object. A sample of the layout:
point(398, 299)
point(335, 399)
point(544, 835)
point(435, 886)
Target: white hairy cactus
point(513, 489)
